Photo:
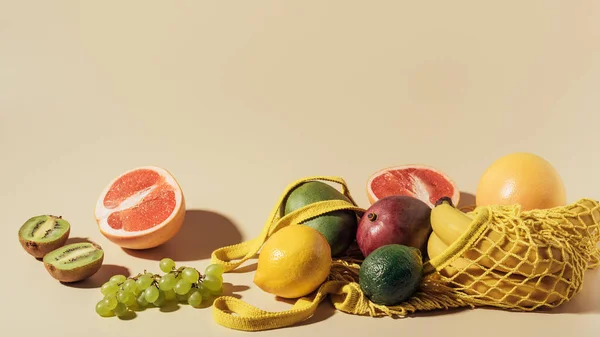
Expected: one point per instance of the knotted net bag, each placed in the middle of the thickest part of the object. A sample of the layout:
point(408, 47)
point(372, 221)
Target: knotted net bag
point(508, 258)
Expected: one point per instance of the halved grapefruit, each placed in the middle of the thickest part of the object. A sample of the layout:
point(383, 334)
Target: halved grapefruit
point(141, 208)
point(419, 181)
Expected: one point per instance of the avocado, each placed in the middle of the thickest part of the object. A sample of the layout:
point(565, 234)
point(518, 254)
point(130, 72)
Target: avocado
point(338, 227)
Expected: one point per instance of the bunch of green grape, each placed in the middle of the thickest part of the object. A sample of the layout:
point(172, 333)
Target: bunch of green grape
point(183, 284)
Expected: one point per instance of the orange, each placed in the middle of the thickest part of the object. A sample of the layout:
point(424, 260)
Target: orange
point(141, 208)
point(521, 178)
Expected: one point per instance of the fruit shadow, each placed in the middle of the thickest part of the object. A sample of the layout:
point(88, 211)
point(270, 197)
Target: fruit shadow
point(245, 269)
point(202, 232)
point(324, 310)
point(228, 290)
point(436, 312)
point(467, 200)
point(100, 277)
point(232, 290)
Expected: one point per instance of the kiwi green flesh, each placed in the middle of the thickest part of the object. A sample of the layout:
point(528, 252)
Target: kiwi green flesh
point(44, 228)
point(74, 255)
point(43, 234)
point(74, 262)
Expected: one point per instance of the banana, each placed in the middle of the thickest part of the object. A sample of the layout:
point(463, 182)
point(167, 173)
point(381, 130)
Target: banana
point(507, 249)
point(448, 222)
point(506, 290)
point(435, 247)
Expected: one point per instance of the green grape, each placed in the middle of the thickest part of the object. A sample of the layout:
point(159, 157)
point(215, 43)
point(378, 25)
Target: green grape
point(129, 286)
point(217, 292)
point(212, 283)
point(167, 282)
point(118, 278)
point(182, 287)
point(195, 298)
point(102, 309)
point(166, 265)
point(124, 296)
point(182, 298)
point(219, 277)
point(214, 269)
point(160, 300)
point(109, 288)
point(205, 292)
point(151, 294)
point(170, 295)
point(144, 282)
point(110, 302)
point(132, 301)
point(190, 274)
point(141, 300)
point(120, 309)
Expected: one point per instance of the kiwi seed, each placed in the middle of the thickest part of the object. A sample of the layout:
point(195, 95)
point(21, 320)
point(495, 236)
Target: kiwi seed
point(74, 262)
point(44, 233)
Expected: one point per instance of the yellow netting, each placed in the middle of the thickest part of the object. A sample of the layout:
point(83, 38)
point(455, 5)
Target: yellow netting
point(522, 260)
point(507, 258)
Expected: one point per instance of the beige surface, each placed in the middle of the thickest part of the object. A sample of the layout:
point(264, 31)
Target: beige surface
point(240, 99)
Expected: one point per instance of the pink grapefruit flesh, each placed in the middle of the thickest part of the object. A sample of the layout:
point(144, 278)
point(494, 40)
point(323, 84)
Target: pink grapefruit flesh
point(142, 208)
point(422, 182)
point(128, 185)
point(152, 210)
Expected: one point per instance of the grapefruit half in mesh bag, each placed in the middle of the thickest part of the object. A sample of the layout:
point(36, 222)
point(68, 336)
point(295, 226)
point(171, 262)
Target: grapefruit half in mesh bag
point(419, 181)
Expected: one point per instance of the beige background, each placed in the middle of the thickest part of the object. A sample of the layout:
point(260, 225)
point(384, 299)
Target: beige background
point(238, 99)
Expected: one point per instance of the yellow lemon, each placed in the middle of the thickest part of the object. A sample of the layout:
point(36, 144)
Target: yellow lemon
point(293, 262)
point(521, 178)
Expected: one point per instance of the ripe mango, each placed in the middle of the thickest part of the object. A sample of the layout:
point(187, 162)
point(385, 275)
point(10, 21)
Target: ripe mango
point(338, 227)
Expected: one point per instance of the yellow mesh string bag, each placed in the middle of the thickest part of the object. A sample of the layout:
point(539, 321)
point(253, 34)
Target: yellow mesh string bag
point(521, 260)
point(507, 258)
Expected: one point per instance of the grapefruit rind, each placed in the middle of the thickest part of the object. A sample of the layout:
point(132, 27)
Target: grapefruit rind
point(147, 238)
point(372, 197)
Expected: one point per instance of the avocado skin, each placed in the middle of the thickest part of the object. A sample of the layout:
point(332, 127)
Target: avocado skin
point(338, 227)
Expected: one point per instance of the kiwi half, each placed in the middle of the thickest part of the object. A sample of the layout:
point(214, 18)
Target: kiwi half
point(74, 262)
point(44, 233)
